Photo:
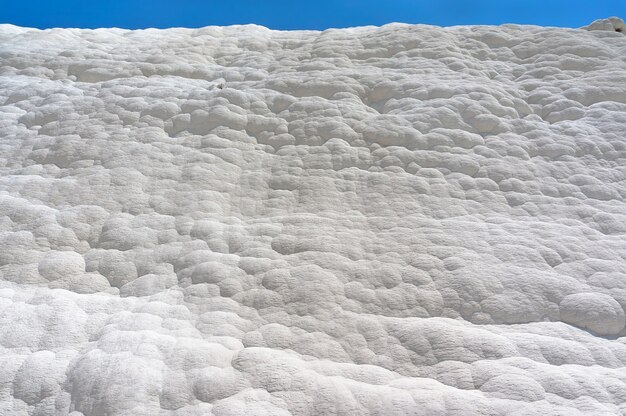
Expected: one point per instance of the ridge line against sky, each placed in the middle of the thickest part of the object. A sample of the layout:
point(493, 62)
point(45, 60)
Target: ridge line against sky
point(319, 15)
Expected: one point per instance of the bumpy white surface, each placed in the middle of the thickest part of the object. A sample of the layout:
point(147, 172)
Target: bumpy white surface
point(405, 220)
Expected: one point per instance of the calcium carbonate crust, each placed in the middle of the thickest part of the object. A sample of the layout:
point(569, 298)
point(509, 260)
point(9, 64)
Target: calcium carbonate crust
point(404, 220)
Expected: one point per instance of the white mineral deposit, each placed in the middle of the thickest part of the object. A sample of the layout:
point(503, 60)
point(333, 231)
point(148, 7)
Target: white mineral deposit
point(235, 221)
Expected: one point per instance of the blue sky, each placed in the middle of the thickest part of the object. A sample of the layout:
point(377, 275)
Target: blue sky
point(285, 14)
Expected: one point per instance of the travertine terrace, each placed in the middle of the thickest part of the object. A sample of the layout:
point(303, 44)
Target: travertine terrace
point(396, 220)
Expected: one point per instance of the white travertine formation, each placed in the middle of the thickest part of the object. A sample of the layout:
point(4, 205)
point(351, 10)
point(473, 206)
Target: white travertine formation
point(404, 220)
point(612, 23)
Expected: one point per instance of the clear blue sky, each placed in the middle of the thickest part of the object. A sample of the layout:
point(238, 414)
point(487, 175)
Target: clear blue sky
point(295, 14)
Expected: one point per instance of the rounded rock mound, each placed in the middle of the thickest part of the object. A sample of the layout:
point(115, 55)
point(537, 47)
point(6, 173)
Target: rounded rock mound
point(611, 24)
point(59, 264)
point(597, 312)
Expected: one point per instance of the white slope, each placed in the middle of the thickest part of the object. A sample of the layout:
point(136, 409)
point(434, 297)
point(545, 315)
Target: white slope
point(404, 220)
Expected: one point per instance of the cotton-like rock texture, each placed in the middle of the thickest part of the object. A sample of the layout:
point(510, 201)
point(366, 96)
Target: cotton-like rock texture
point(404, 220)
